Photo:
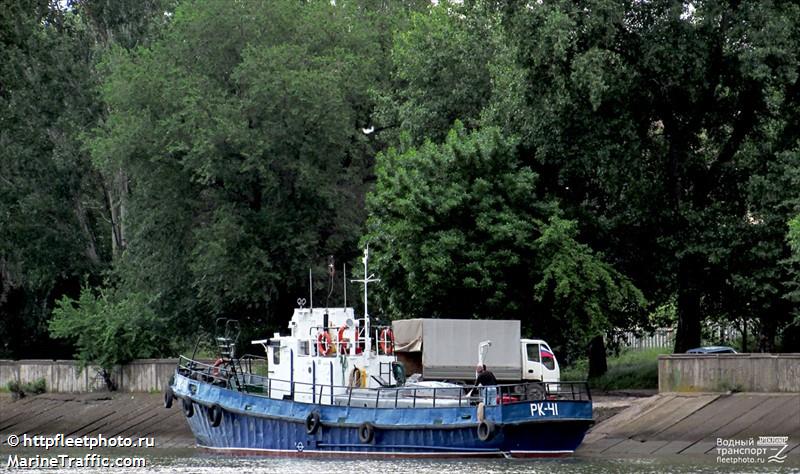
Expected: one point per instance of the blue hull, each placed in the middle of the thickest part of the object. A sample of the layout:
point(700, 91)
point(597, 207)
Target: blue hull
point(254, 424)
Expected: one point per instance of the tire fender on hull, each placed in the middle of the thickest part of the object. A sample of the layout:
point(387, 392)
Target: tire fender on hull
point(366, 433)
point(486, 430)
point(215, 415)
point(169, 397)
point(188, 407)
point(312, 423)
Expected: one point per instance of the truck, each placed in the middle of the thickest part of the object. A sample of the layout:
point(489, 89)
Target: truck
point(445, 349)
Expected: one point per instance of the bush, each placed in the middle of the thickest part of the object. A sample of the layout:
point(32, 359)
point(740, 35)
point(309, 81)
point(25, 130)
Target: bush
point(107, 330)
point(19, 390)
point(628, 370)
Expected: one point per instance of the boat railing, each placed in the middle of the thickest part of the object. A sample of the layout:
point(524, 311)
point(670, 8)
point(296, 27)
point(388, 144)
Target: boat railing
point(382, 337)
point(405, 396)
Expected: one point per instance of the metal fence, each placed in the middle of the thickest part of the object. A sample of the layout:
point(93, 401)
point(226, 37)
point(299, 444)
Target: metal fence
point(661, 338)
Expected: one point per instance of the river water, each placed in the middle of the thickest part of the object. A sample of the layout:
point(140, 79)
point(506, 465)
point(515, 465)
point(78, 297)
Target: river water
point(191, 461)
point(571, 466)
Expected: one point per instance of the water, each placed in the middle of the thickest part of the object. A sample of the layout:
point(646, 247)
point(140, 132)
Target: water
point(192, 461)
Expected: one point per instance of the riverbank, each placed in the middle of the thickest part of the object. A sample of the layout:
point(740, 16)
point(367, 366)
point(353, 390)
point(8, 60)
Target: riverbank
point(131, 415)
point(691, 424)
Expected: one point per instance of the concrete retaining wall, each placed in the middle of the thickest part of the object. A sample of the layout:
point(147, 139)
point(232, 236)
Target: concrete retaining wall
point(729, 372)
point(144, 375)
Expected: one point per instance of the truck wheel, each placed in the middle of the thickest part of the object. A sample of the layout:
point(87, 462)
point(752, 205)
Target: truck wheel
point(535, 391)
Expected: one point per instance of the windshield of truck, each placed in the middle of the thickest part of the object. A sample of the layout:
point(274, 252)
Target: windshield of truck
point(548, 358)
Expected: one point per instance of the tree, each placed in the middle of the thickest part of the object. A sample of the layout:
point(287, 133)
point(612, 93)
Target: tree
point(459, 232)
point(440, 73)
point(239, 132)
point(651, 122)
point(50, 231)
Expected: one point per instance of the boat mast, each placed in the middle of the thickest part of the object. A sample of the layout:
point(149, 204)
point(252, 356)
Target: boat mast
point(365, 281)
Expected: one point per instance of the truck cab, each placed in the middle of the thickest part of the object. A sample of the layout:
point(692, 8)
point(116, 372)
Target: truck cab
point(539, 361)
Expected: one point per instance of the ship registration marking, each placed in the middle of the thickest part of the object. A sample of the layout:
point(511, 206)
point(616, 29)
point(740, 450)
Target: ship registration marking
point(544, 409)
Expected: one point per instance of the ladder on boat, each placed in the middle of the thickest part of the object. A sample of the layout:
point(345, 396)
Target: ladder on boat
point(226, 348)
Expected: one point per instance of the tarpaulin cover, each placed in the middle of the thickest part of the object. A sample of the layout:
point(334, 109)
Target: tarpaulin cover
point(450, 346)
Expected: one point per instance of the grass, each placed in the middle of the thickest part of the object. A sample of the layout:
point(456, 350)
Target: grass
point(629, 370)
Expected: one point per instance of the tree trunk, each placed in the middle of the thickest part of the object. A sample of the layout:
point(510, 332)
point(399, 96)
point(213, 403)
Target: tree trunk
point(598, 364)
point(689, 297)
point(116, 201)
point(83, 221)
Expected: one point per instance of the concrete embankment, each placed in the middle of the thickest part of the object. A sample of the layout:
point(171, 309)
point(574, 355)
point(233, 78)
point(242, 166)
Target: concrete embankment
point(670, 424)
point(130, 415)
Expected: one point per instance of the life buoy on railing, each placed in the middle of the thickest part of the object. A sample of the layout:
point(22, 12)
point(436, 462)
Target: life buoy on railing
point(361, 341)
point(387, 341)
point(355, 378)
point(324, 343)
point(215, 367)
point(344, 343)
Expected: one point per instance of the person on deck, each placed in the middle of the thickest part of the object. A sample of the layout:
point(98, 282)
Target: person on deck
point(484, 376)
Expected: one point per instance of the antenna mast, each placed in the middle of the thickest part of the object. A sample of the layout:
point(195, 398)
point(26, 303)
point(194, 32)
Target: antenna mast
point(365, 281)
point(344, 284)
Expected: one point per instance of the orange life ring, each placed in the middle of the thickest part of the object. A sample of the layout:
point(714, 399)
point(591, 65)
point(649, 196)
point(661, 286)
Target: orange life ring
point(215, 367)
point(387, 341)
point(344, 343)
point(324, 343)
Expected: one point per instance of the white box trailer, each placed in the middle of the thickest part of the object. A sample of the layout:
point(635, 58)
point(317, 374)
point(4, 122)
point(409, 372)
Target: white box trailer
point(447, 349)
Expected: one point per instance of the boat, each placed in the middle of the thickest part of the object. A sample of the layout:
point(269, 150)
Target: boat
point(334, 387)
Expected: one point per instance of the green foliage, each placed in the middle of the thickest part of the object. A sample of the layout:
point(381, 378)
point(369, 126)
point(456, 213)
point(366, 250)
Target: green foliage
point(458, 232)
point(20, 390)
point(629, 370)
point(584, 294)
point(668, 134)
point(108, 330)
point(198, 157)
point(50, 234)
point(441, 72)
point(794, 235)
point(238, 135)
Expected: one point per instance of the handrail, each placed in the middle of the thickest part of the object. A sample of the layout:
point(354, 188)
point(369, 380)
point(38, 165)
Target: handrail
point(386, 397)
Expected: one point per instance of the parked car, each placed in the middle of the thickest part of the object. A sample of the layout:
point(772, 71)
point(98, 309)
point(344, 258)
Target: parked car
point(712, 350)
